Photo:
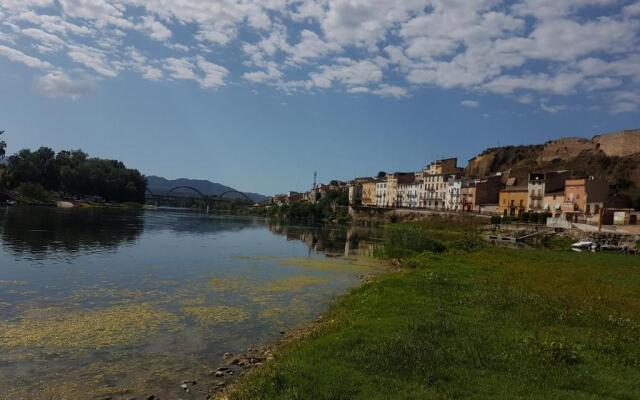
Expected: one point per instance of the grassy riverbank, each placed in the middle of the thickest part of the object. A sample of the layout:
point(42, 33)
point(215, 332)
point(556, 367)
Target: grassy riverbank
point(462, 320)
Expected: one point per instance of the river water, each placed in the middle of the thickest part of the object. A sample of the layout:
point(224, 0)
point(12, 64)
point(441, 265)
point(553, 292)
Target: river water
point(98, 304)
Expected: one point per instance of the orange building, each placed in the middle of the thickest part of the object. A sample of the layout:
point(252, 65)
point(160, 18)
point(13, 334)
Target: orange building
point(513, 200)
point(584, 196)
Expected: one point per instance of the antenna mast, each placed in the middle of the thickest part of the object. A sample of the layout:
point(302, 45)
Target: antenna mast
point(315, 177)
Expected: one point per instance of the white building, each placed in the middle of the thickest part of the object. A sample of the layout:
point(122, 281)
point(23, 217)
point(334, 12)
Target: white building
point(453, 199)
point(434, 183)
point(381, 193)
point(407, 194)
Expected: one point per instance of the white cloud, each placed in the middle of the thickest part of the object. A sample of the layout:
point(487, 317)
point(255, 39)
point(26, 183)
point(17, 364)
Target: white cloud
point(625, 102)
point(214, 74)
point(155, 29)
point(59, 84)
point(180, 68)
point(470, 103)
point(152, 74)
point(523, 49)
point(93, 59)
point(348, 72)
point(551, 108)
point(391, 91)
point(18, 56)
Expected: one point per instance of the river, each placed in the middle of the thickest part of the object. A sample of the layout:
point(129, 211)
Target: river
point(98, 304)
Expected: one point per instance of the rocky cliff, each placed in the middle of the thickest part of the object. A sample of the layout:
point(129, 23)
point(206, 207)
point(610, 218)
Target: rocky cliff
point(613, 156)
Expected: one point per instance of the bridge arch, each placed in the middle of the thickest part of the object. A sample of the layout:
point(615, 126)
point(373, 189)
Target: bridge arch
point(204, 196)
point(235, 191)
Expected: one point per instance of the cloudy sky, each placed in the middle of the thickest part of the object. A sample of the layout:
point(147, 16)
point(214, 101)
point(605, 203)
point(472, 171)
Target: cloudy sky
point(259, 94)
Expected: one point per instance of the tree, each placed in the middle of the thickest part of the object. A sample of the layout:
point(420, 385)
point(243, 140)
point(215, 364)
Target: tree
point(3, 147)
point(74, 173)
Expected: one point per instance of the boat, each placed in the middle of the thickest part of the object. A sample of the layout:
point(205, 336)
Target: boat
point(583, 245)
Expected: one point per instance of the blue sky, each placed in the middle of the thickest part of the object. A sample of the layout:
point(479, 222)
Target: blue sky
point(259, 94)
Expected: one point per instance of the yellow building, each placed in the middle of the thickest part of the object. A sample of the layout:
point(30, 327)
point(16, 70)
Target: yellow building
point(513, 200)
point(369, 193)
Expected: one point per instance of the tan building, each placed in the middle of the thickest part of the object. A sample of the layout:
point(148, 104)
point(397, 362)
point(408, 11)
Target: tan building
point(553, 203)
point(355, 188)
point(369, 193)
point(584, 197)
point(433, 188)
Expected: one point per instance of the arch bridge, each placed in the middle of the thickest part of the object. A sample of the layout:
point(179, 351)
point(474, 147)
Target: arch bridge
point(171, 194)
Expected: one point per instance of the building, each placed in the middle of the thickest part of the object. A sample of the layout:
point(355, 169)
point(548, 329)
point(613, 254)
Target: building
point(355, 188)
point(369, 193)
point(381, 192)
point(393, 180)
point(480, 195)
point(288, 198)
point(584, 197)
point(407, 194)
point(452, 198)
point(513, 199)
point(434, 182)
point(467, 195)
point(553, 203)
point(542, 183)
point(487, 193)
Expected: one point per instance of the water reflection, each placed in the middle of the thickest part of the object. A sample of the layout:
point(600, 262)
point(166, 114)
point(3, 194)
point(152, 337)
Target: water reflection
point(334, 241)
point(39, 231)
point(120, 287)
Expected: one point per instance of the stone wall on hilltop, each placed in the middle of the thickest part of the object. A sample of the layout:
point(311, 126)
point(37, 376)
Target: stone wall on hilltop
point(565, 149)
point(620, 144)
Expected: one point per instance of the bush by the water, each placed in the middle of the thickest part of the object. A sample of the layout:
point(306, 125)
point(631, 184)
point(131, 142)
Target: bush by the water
point(434, 236)
point(34, 191)
point(333, 206)
point(525, 217)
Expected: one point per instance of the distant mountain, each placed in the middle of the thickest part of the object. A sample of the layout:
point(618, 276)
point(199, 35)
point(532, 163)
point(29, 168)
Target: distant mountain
point(161, 185)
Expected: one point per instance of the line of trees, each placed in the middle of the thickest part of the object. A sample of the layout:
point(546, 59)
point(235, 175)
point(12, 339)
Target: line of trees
point(72, 173)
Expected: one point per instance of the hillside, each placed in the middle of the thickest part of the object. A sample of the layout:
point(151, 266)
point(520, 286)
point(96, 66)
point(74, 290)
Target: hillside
point(614, 157)
point(160, 185)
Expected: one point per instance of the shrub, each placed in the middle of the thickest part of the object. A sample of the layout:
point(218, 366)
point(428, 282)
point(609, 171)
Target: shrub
point(34, 191)
point(542, 218)
point(533, 218)
point(496, 220)
point(409, 239)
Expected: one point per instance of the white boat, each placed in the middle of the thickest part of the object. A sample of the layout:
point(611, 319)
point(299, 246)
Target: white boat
point(582, 245)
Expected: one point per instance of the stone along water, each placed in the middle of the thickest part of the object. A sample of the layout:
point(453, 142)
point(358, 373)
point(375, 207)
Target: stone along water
point(112, 304)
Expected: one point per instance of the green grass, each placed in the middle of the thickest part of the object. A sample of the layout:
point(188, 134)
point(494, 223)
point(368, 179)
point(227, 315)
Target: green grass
point(494, 323)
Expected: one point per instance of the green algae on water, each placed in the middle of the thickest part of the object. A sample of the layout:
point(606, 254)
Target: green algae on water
point(216, 314)
point(55, 328)
point(294, 283)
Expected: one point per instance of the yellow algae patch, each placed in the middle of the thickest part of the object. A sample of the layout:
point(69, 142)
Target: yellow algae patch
point(322, 264)
point(196, 301)
point(12, 283)
point(55, 329)
point(216, 314)
point(229, 284)
point(294, 283)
